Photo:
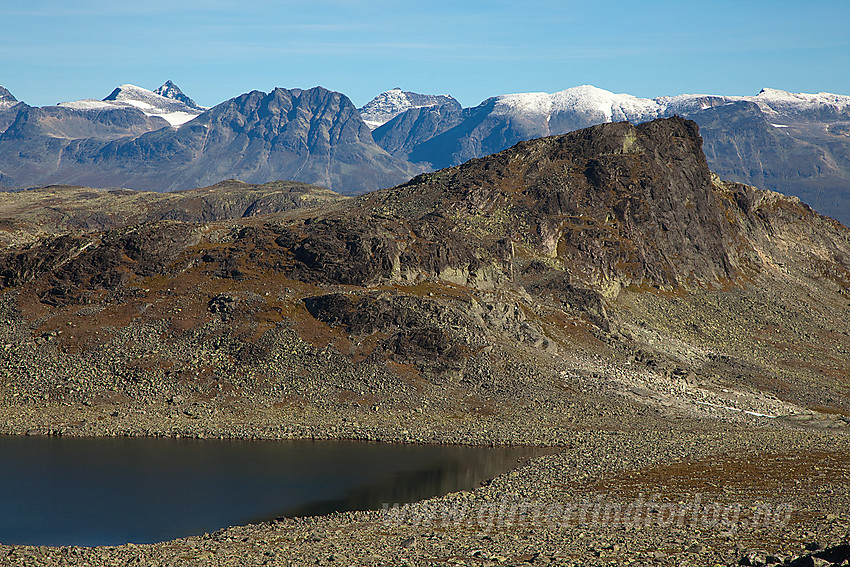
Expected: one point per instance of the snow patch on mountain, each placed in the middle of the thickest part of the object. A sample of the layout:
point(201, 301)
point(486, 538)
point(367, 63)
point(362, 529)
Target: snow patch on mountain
point(588, 100)
point(522, 103)
point(784, 102)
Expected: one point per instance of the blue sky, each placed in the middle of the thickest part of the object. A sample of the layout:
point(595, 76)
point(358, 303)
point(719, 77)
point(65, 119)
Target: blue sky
point(53, 51)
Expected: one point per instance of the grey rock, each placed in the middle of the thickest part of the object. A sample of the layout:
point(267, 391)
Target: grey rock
point(172, 91)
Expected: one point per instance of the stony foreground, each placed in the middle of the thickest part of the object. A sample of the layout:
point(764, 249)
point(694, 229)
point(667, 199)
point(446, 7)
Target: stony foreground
point(694, 492)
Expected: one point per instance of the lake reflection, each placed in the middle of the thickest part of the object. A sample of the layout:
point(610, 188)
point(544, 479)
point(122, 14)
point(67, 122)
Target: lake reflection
point(108, 491)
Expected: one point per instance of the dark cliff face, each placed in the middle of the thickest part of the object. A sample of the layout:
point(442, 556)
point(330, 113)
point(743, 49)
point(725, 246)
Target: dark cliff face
point(9, 114)
point(613, 203)
point(9, 108)
point(315, 136)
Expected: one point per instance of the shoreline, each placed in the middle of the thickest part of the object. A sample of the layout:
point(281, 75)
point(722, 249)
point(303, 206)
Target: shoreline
point(588, 463)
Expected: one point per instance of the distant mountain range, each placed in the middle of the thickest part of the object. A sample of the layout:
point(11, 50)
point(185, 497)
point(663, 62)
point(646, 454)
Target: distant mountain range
point(138, 139)
point(797, 144)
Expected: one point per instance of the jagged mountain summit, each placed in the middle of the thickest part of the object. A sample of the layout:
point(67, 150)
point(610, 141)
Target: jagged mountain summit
point(174, 110)
point(393, 102)
point(797, 144)
point(172, 91)
point(6, 98)
point(9, 107)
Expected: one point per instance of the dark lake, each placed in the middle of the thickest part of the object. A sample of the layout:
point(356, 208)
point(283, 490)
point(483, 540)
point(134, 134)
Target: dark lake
point(109, 491)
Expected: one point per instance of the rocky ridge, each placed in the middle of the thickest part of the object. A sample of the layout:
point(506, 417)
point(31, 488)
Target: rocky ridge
point(581, 228)
point(796, 144)
point(27, 216)
point(554, 248)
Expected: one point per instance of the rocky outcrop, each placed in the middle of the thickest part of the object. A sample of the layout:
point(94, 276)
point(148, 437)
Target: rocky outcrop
point(77, 266)
point(611, 203)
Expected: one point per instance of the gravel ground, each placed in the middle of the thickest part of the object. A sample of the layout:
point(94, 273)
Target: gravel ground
point(610, 495)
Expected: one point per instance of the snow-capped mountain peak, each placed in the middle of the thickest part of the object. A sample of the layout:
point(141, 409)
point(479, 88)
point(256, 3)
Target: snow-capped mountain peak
point(172, 91)
point(573, 108)
point(586, 105)
point(393, 102)
point(176, 112)
point(6, 96)
point(7, 100)
point(781, 102)
point(585, 101)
